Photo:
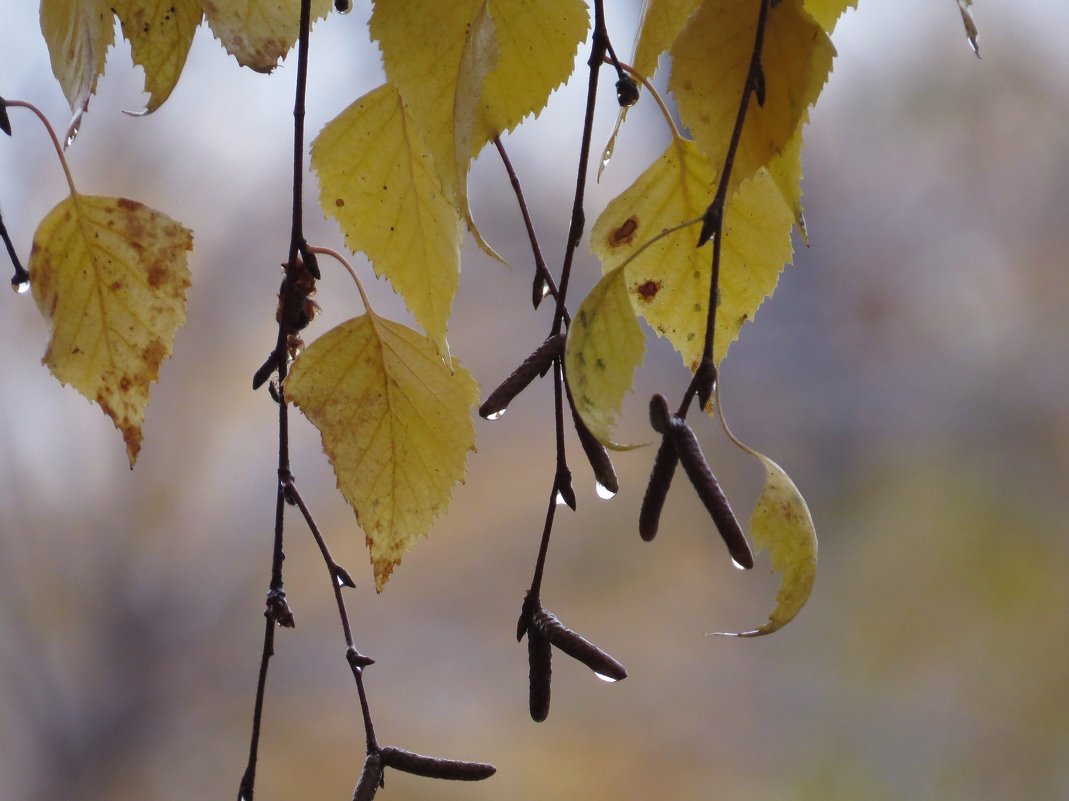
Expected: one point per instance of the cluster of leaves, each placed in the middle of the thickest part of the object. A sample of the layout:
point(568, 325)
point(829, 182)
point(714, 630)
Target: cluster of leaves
point(392, 403)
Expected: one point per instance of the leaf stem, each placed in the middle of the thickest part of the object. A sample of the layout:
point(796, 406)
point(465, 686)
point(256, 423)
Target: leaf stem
point(676, 135)
point(542, 273)
point(352, 271)
point(724, 425)
point(52, 135)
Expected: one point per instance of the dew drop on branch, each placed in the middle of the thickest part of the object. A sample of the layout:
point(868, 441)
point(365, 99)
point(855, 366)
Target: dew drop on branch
point(22, 287)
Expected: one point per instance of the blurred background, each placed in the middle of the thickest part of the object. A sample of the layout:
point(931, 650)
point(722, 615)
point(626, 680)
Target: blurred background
point(911, 374)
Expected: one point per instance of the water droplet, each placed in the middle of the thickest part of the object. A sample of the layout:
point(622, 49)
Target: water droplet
point(340, 580)
point(22, 287)
point(737, 565)
point(603, 491)
point(343, 6)
point(560, 499)
point(496, 415)
point(545, 288)
point(606, 679)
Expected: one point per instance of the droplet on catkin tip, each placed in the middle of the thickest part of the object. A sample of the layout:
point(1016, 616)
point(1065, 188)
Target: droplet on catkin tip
point(603, 492)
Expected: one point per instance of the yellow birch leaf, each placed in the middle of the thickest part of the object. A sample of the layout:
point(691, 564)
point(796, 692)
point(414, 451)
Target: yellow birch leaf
point(786, 171)
point(662, 21)
point(396, 426)
point(710, 65)
point(478, 57)
point(605, 345)
point(537, 43)
point(451, 36)
point(378, 180)
point(668, 281)
point(78, 34)
point(258, 33)
point(455, 71)
point(827, 12)
point(782, 525)
point(160, 33)
point(110, 277)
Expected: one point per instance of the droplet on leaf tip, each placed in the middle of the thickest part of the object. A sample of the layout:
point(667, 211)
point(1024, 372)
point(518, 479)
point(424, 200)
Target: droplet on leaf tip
point(603, 492)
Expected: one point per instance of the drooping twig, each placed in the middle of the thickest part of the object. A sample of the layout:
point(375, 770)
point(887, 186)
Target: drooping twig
point(293, 272)
point(20, 276)
point(713, 219)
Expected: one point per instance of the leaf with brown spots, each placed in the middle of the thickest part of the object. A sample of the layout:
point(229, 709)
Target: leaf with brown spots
point(110, 277)
point(668, 280)
point(160, 33)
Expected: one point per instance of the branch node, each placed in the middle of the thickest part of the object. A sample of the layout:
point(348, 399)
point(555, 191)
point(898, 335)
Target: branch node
point(278, 609)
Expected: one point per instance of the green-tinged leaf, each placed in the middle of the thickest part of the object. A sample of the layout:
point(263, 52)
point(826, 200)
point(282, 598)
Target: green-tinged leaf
point(110, 277)
point(710, 67)
point(605, 345)
point(668, 281)
point(782, 525)
point(378, 180)
point(160, 33)
point(396, 426)
point(258, 33)
point(78, 34)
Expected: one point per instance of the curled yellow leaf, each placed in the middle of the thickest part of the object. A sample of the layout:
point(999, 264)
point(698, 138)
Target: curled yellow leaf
point(78, 34)
point(396, 426)
point(782, 525)
point(605, 345)
point(110, 277)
